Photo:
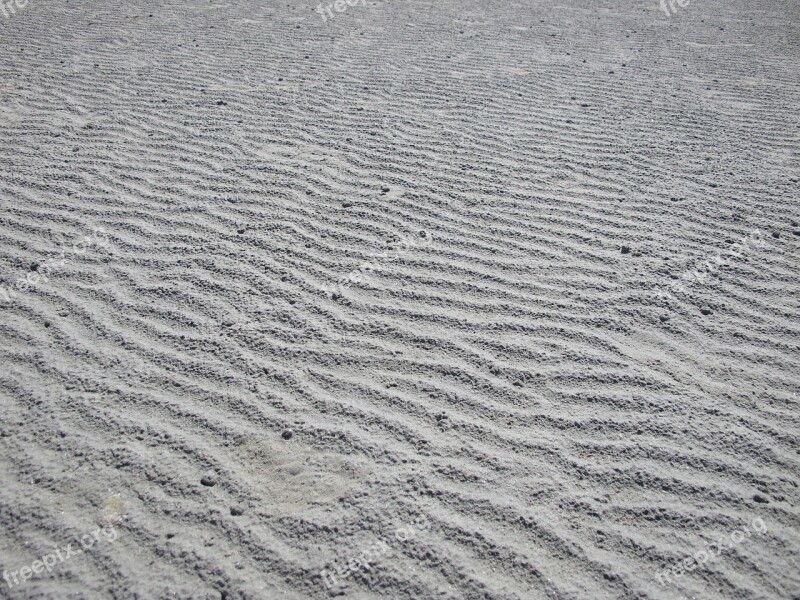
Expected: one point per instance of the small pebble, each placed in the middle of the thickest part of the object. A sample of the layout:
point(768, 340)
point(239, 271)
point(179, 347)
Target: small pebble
point(664, 318)
point(626, 250)
point(347, 204)
point(760, 499)
point(34, 266)
point(237, 511)
point(287, 434)
point(776, 234)
point(706, 311)
point(384, 189)
point(208, 481)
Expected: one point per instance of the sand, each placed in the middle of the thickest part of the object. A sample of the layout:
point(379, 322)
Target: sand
point(453, 300)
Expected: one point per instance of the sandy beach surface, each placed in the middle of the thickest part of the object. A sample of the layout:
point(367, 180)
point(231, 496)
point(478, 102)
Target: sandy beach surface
point(401, 299)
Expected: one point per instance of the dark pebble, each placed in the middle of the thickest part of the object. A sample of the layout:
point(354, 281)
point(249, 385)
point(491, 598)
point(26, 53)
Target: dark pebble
point(626, 250)
point(237, 511)
point(776, 234)
point(347, 204)
point(34, 266)
point(384, 189)
point(287, 434)
point(208, 481)
point(706, 311)
point(760, 499)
